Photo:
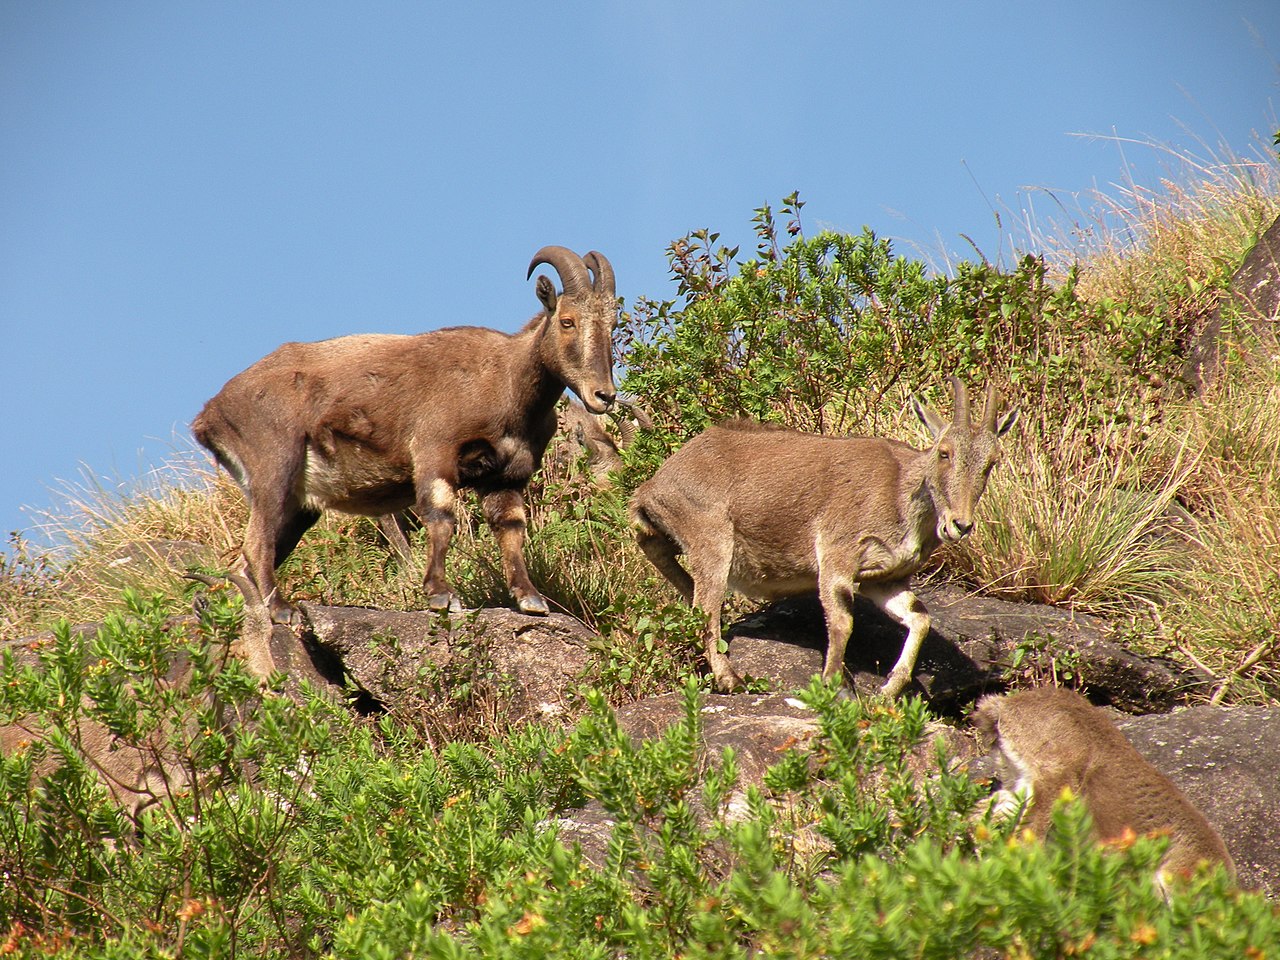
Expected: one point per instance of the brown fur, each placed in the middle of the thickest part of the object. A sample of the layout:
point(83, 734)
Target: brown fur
point(580, 432)
point(371, 424)
point(773, 513)
point(136, 777)
point(137, 774)
point(1050, 739)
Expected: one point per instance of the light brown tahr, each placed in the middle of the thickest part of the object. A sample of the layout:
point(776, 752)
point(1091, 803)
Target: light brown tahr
point(1049, 739)
point(583, 433)
point(373, 424)
point(136, 775)
point(579, 435)
point(773, 513)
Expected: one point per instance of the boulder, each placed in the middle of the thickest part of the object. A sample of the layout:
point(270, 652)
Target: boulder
point(759, 728)
point(400, 658)
point(970, 650)
point(1225, 760)
point(1254, 297)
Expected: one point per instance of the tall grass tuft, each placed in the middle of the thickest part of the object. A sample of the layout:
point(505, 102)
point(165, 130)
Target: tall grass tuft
point(1067, 521)
point(1139, 243)
point(102, 539)
point(1228, 607)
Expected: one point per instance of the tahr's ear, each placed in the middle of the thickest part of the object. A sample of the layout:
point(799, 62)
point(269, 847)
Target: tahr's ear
point(1007, 421)
point(546, 291)
point(932, 422)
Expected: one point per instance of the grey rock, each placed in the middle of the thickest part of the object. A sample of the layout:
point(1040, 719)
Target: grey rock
point(1254, 298)
point(759, 729)
point(397, 656)
point(969, 651)
point(1227, 762)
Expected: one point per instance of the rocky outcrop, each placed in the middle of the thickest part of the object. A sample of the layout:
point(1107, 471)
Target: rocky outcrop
point(971, 649)
point(1222, 758)
point(1225, 760)
point(396, 657)
point(1253, 300)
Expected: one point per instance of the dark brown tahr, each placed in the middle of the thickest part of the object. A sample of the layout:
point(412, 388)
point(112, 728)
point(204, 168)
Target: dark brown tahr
point(773, 513)
point(373, 424)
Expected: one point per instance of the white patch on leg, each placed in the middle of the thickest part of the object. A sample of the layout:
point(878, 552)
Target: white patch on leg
point(442, 495)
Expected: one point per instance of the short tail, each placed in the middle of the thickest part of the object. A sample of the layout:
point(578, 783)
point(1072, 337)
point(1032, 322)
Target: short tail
point(206, 435)
point(661, 549)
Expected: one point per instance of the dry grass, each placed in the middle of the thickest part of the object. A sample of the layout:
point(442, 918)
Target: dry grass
point(1176, 514)
point(1061, 524)
point(1187, 230)
point(1228, 608)
point(188, 514)
point(105, 539)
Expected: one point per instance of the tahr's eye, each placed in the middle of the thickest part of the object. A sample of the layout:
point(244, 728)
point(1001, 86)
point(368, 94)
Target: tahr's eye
point(568, 322)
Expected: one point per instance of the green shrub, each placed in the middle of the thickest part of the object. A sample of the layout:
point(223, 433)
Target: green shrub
point(830, 333)
point(306, 832)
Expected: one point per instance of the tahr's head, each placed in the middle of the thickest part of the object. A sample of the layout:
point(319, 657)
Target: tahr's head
point(578, 345)
point(963, 456)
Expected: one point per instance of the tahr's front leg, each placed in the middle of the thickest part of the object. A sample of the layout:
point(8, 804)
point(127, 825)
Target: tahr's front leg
point(897, 600)
point(505, 514)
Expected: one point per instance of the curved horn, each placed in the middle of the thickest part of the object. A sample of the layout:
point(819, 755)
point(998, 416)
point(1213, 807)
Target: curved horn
point(603, 270)
point(573, 272)
point(627, 430)
point(990, 409)
point(961, 418)
point(638, 413)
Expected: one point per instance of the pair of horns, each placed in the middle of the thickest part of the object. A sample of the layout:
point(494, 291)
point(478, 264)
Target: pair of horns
point(989, 409)
point(575, 271)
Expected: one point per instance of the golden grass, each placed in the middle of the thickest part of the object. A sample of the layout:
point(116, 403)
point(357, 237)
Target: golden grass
point(1061, 524)
point(1228, 607)
point(1176, 513)
point(1210, 204)
point(105, 539)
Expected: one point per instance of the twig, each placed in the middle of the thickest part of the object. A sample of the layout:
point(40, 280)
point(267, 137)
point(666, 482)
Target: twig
point(1254, 656)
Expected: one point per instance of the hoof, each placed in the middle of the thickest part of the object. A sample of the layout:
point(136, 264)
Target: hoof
point(286, 616)
point(894, 686)
point(727, 682)
point(442, 602)
point(534, 605)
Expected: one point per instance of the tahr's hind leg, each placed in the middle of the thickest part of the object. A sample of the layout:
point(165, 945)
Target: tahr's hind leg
point(662, 552)
point(836, 594)
point(269, 538)
point(277, 521)
point(710, 573)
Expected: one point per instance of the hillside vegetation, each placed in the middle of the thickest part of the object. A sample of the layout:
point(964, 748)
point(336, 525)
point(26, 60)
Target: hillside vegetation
point(303, 830)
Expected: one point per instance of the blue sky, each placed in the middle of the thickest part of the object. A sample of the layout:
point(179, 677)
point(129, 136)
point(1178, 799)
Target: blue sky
point(184, 186)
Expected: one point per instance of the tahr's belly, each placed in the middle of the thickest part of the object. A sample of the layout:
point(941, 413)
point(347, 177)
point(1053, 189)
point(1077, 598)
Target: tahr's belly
point(767, 574)
point(354, 482)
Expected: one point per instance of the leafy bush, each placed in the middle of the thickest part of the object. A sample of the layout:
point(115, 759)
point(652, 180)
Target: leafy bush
point(306, 832)
point(830, 333)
